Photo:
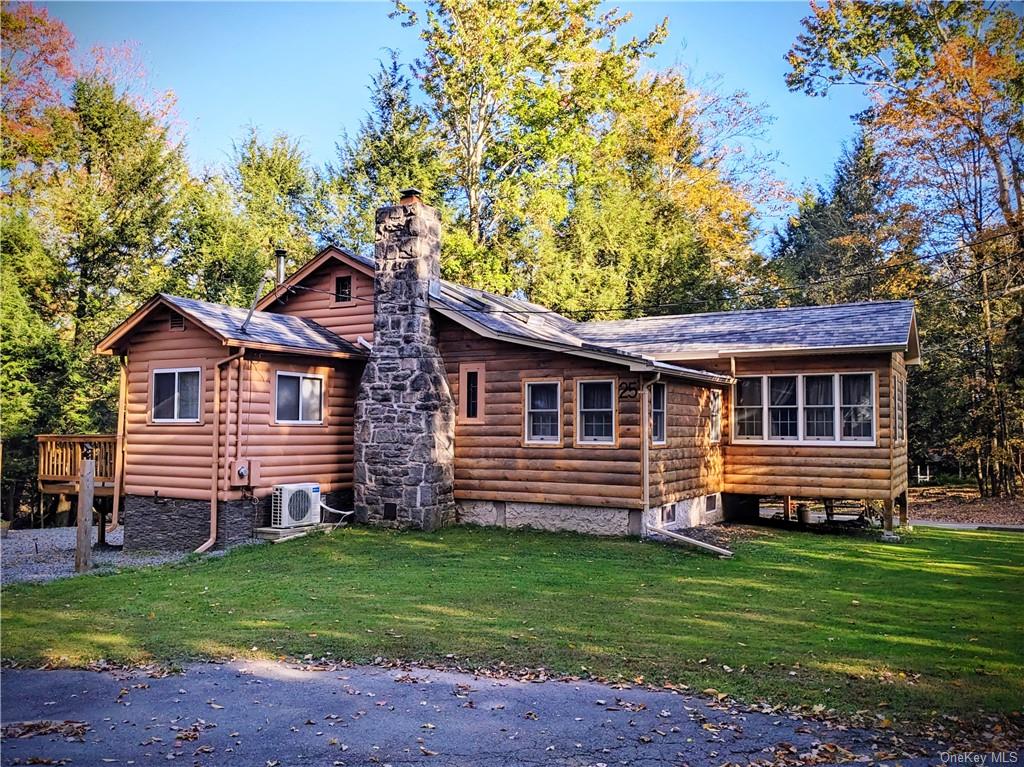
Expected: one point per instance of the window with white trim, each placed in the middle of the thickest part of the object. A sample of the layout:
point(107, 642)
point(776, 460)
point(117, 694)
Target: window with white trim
point(596, 414)
point(819, 407)
point(783, 408)
point(716, 417)
point(809, 408)
point(858, 405)
point(749, 415)
point(176, 395)
point(543, 411)
point(658, 413)
point(299, 398)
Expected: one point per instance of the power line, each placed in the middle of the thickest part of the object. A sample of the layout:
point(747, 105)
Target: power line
point(765, 293)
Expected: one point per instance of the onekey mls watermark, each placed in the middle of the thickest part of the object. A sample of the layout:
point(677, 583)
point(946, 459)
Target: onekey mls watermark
point(982, 758)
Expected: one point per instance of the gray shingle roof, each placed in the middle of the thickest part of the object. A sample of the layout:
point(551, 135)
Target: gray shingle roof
point(296, 333)
point(882, 324)
point(517, 320)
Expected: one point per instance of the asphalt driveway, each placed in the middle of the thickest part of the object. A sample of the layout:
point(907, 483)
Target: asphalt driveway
point(275, 714)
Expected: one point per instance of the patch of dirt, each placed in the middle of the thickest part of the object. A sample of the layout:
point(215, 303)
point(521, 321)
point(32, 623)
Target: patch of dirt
point(723, 535)
point(962, 504)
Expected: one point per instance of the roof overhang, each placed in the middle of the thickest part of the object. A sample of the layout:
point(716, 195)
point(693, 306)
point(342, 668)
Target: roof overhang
point(111, 342)
point(631, 361)
point(331, 252)
point(775, 351)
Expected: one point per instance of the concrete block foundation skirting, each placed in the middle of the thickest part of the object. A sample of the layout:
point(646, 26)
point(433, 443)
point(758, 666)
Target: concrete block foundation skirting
point(689, 512)
point(592, 520)
point(181, 524)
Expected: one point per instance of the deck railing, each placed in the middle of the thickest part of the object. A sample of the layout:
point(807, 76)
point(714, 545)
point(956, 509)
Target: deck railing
point(60, 456)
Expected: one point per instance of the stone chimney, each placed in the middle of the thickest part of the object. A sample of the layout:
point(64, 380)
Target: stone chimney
point(404, 414)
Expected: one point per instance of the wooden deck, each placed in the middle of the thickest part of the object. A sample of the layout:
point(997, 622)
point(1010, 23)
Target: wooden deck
point(60, 460)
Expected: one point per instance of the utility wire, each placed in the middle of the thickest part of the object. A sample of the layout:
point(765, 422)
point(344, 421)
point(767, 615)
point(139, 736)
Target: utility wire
point(766, 293)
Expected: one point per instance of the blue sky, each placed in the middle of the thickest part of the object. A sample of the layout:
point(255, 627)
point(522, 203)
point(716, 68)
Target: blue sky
point(303, 68)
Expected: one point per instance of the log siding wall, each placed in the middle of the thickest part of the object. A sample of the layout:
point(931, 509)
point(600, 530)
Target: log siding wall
point(176, 459)
point(688, 464)
point(899, 460)
point(847, 471)
point(491, 462)
point(349, 320)
point(171, 458)
point(287, 453)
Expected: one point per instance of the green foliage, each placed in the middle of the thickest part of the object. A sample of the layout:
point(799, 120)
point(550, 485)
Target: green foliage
point(106, 204)
point(945, 80)
point(853, 241)
point(84, 241)
point(279, 194)
point(394, 149)
point(774, 622)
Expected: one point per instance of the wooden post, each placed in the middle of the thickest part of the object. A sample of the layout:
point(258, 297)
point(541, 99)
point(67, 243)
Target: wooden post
point(787, 508)
point(86, 485)
point(887, 516)
point(901, 504)
point(830, 509)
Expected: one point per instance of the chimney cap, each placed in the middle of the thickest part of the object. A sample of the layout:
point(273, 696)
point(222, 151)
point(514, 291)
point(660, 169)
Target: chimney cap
point(280, 252)
point(411, 194)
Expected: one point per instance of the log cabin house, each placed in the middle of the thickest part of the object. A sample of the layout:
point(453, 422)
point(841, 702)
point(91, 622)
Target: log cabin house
point(419, 403)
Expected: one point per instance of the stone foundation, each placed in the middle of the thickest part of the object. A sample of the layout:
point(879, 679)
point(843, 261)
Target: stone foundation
point(164, 524)
point(180, 524)
point(592, 520)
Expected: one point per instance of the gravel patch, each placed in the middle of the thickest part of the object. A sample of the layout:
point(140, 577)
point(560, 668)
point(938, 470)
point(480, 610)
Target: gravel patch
point(45, 555)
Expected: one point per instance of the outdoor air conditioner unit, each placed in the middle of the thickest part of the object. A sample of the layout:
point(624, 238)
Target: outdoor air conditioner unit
point(295, 505)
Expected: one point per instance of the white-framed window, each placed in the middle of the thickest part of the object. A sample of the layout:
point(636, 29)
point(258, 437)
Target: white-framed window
point(748, 411)
point(595, 411)
point(543, 411)
point(715, 416)
point(659, 409)
point(783, 408)
point(299, 398)
point(820, 407)
point(176, 395)
point(668, 514)
point(857, 399)
point(813, 408)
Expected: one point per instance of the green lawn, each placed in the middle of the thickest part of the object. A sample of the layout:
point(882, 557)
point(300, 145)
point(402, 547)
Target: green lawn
point(935, 623)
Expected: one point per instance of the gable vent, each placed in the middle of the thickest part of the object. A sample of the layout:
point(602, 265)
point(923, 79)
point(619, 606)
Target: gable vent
point(176, 322)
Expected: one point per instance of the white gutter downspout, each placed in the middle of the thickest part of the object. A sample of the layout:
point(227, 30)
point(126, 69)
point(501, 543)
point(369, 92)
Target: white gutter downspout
point(215, 458)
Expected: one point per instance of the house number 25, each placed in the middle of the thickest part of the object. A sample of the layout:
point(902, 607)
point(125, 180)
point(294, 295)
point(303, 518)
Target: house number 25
point(628, 390)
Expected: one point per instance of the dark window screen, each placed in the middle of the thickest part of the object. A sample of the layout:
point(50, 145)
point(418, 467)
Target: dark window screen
point(343, 288)
point(472, 393)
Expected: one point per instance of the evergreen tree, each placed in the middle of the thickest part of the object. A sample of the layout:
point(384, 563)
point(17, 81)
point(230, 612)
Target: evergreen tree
point(280, 196)
point(845, 242)
point(394, 149)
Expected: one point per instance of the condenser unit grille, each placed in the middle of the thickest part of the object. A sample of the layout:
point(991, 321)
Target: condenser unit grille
point(295, 505)
point(298, 506)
